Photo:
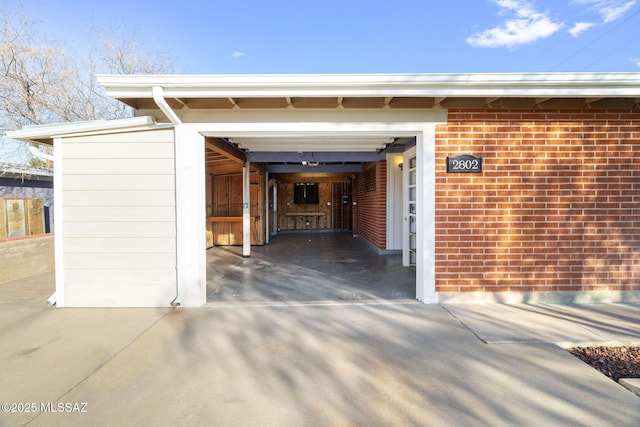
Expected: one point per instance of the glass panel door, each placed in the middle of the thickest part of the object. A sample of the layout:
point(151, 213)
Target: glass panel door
point(409, 254)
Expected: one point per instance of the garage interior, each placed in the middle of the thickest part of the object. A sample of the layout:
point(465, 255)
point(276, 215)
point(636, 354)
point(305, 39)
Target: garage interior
point(312, 201)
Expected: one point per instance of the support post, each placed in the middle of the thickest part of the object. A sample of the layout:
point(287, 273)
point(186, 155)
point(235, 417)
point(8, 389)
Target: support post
point(246, 209)
point(266, 207)
point(425, 268)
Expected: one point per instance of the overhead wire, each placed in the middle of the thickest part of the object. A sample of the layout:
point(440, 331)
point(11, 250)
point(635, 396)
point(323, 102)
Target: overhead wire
point(603, 35)
point(610, 53)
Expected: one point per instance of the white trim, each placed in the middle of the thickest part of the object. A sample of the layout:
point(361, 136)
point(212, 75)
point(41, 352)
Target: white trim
point(426, 221)
point(310, 129)
point(34, 133)
point(394, 215)
point(58, 224)
point(190, 216)
point(266, 208)
point(373, 85)
point(406, 223)
point(425, 139)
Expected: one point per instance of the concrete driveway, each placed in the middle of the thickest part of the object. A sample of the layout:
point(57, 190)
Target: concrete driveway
point(312, 364)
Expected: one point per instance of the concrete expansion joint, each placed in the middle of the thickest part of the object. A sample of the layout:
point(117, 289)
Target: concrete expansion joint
point(631, 384)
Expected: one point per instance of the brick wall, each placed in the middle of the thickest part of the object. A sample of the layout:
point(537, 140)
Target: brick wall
point(557, 207)
point(26, 256)
point(372, 204)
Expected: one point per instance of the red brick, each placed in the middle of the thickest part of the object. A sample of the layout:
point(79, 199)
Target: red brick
point(549, 174)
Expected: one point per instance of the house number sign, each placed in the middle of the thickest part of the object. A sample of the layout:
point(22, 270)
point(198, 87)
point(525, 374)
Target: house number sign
point(465, 163)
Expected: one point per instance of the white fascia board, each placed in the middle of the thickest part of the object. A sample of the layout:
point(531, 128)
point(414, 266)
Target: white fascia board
point(40, 132)
point(331, 85)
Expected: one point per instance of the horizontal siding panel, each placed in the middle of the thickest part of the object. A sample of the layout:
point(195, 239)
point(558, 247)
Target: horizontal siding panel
point(118, 150)
point(79, 294)
point(118, 182)
point(118, 261)
point(120, 213)
point(117, 166)
point(148, 136)
point(119, 229)
point(119, 198)
point(97, 245)
point(123, 277)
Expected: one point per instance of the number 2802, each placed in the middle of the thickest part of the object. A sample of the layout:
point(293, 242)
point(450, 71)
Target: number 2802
point(466, 164)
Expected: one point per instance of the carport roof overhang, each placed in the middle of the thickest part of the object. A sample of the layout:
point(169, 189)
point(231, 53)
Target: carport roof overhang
point(523, 91)
point(302, 91)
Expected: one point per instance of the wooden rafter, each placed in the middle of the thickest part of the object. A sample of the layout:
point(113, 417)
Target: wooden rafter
point(226, 150)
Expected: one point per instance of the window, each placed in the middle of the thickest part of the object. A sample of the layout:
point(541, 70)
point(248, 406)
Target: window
point(305, 193)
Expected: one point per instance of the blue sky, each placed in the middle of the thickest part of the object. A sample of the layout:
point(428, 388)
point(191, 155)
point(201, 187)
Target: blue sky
point(353, 36)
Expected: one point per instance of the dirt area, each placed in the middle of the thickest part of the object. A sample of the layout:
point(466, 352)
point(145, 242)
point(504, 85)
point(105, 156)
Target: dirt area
point(614, 362)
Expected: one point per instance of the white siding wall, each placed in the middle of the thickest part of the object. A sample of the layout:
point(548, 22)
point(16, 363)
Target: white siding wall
point(119, 231)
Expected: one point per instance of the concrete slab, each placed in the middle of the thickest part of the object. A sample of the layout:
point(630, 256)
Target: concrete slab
point(28, 292)
point(45, 352)
point(631, 384)
point(359, 364)
point(307, 267)
point(565, 325)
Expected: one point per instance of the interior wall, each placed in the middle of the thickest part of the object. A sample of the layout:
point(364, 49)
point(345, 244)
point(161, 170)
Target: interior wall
point(333, 210)
point(226, 204)
point(372, 203)
point(292, 216)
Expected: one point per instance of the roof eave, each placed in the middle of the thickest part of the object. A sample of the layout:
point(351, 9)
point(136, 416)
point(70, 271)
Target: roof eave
point(329, 85)
point(46, 133)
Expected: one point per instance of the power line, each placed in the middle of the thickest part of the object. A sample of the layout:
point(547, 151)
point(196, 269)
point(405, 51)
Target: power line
point(603, 35)
point(610, 52)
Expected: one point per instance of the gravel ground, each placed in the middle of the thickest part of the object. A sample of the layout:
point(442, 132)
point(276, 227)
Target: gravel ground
point(614, 362)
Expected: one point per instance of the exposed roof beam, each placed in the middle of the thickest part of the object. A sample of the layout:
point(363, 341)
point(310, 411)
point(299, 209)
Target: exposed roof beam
point(225, 149)
point(299, 168)
point(387, 100)
point(539, 102)
point(327, 156)
point(183, 103)
point(490, 101)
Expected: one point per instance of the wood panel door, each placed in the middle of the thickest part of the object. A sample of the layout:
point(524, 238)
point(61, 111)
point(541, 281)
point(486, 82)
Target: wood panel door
point(342, 201)
point(227, 201)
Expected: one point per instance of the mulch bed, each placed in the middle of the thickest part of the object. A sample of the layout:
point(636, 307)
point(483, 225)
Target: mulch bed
point(614, 362)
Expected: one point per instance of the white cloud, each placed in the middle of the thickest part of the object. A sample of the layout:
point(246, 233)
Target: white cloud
point(610, 10)
point(615, 11)
point(237, 54)
point(636, 61)
point(580, 27)
point(525, 25)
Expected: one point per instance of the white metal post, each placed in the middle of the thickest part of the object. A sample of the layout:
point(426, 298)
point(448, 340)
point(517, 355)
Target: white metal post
point(246, 210)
